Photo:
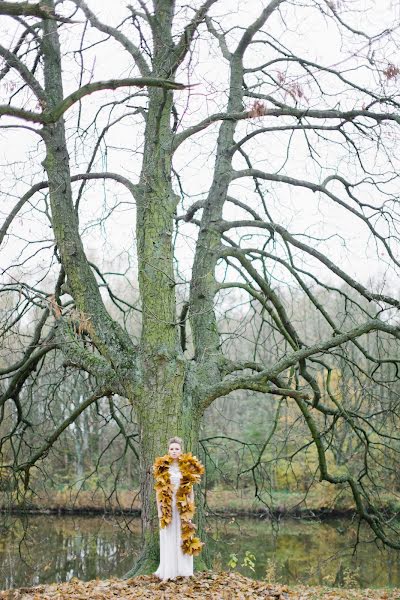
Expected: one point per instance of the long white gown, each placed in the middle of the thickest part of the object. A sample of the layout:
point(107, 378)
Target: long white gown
point(173, 562)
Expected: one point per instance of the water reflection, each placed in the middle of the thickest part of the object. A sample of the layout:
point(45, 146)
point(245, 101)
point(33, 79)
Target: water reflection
point(44, 549)
point(313, 552)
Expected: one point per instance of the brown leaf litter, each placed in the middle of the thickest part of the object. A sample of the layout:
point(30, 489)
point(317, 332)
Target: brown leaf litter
point(202, 586)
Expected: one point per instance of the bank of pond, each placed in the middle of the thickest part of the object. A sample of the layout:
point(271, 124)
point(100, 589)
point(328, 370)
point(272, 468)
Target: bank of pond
point(39, 549)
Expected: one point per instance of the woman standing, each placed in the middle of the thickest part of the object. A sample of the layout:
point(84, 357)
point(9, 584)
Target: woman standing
point(175, 473)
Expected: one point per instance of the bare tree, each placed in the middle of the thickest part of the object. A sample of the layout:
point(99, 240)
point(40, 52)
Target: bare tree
point(294, 137)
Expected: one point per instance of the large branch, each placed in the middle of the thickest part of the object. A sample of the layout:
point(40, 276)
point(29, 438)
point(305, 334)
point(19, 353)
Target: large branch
point(20, 113)
point(275, 228)
point(13, 61)
point(53, 115)
point(186, 38)
point(203, 284)
point(18, 380)
point(284, 111)
point(223, 116)
point(256, 26)
point(70, 329)
point(26, 9)
point(45, 184)
point(111, 84)
point(51, 439)
point(31, 347)
point(261, 380)
point(316, 187)
point(125, 42)
point(109, 337)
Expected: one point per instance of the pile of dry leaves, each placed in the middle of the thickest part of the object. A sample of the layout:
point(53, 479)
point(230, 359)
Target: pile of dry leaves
point(202, 586)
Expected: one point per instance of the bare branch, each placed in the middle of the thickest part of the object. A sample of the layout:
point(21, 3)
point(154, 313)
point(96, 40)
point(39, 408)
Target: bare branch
point(259, 381)
point(44, 184)
point(26, 9)
point(183, 45)
point(13, 61)
point(126, 43)
point(275, 228)
point(256, 26)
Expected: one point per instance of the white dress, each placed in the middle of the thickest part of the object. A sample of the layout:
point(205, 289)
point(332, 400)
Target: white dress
point(173, 562)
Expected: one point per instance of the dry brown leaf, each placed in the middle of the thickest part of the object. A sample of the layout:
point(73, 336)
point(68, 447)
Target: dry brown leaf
point(202, 586)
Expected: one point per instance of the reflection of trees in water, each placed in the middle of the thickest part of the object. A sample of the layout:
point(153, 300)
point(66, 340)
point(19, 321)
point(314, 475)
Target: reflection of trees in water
point(317, 553)
point(247, 189)
point(58, 548)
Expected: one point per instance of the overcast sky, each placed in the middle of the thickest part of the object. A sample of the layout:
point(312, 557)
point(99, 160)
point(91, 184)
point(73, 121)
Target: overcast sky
point(301, 29)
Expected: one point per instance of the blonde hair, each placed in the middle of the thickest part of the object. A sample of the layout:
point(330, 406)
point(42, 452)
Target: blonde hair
point(176, 440)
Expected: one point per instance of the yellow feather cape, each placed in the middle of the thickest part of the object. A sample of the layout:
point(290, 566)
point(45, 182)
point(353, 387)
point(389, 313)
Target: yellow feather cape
point(191, 469)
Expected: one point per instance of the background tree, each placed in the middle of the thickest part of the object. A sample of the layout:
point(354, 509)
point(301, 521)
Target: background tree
point(297, 155)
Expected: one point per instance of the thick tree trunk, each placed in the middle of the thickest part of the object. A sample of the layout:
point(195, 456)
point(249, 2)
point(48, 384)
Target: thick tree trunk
point(156, 377)
point(165, 411)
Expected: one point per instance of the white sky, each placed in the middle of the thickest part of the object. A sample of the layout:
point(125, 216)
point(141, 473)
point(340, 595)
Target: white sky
point(297, 27)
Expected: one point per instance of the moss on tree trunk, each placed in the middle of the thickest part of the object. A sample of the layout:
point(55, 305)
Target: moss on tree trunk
point(155, 376)
point(164, 411)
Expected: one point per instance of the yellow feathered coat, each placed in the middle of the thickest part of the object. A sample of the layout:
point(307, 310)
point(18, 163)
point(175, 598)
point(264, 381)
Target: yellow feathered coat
point(191, 469)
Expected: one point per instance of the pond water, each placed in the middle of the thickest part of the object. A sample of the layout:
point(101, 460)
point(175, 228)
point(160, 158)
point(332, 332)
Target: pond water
point(45, 549)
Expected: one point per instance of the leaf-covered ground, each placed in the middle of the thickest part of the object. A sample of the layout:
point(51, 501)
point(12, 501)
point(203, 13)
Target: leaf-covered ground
point(202, 586)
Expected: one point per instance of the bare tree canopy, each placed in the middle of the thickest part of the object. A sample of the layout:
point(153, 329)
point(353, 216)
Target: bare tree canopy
point(167, 167)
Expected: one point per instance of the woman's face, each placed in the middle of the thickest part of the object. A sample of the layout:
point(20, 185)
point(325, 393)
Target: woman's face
point(174, 450)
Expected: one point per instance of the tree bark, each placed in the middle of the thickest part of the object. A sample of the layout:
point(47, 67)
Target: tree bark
point(169, 392)
point(165, 406)
point(165, 412)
